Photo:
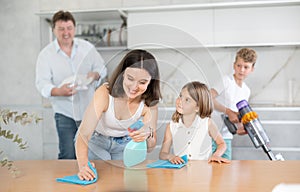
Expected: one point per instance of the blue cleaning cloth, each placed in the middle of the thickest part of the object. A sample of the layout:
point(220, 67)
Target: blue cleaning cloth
point(168, 164)
point(74, 179)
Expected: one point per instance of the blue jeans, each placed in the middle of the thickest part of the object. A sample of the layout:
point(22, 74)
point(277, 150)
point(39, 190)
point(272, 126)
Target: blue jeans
point(228, 153)
point(66, 129)
point(107, 148)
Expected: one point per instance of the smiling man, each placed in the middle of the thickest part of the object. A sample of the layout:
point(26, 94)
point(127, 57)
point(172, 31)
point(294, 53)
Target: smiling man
point(75, 60)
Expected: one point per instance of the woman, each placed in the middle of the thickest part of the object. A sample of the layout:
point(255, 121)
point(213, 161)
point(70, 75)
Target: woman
point(132, 93)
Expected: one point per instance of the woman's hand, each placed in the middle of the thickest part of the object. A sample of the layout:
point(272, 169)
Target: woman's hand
point(139, 135)
point(218, 159)
point(85, 173)
point(176, 160)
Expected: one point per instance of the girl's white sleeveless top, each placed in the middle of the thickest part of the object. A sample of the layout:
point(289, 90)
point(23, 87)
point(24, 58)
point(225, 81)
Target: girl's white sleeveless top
point(193, 141)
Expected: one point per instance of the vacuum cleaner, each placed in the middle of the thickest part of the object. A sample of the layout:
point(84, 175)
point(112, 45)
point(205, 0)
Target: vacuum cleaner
point(253, 127)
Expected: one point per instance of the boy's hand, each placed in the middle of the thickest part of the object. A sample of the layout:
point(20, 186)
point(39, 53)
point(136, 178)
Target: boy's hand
point(241, 130)
point(233, 116)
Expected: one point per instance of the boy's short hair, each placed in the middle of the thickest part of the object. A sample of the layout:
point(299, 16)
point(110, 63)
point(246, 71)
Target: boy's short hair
point(247, 54)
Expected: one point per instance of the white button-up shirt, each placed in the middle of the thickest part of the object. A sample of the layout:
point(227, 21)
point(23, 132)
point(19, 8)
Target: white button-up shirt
point(54, 66)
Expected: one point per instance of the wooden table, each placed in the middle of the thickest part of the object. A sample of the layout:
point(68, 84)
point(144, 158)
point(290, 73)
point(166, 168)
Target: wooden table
point(40, 175)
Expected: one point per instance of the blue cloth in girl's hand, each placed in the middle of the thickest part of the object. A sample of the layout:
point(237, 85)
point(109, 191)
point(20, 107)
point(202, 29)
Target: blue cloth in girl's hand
point(168, 164)
point(74, 179)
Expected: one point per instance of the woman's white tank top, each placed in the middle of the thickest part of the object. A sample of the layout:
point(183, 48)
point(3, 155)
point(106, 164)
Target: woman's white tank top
point(109, 125)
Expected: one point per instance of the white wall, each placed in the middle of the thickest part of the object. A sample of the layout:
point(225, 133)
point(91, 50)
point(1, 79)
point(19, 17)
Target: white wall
point(19, 48)
point(19, 42)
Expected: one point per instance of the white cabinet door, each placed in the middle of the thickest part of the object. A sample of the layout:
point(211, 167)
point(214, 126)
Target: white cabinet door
point(215, 27)
point(170, 28)
point(257, 25)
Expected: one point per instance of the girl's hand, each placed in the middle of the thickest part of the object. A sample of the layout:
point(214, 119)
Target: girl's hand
point(218, 159)
point(85, 173)
point(176, 160)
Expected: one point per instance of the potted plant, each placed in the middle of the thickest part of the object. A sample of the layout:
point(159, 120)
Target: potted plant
point(6, 118)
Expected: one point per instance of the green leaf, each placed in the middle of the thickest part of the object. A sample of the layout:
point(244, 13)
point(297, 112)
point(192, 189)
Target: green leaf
point(9, 135)
point(7, 117)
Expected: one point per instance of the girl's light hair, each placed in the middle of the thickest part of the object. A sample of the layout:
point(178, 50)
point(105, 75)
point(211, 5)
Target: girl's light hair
point(201, 94)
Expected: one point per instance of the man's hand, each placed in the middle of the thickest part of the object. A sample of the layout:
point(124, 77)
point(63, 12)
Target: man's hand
point(94, 75)
point(66, 90)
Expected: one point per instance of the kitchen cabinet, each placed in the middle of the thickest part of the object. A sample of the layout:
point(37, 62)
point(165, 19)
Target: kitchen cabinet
point(228, 24)
point(231, 24)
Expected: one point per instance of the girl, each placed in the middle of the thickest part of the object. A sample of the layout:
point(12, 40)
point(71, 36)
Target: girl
point(191, 128)
point(132, 93)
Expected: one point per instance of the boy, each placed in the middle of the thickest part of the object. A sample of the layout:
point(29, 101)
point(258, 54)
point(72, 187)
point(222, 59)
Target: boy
point(232, 90)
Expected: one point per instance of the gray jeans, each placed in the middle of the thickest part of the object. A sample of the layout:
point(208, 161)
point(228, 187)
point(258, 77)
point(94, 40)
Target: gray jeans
point(107, 148)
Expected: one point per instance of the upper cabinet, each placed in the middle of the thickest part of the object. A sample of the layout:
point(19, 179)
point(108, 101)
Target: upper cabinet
point(168, 28)
point(229, 24)
point(266, 25)
point(257, 23)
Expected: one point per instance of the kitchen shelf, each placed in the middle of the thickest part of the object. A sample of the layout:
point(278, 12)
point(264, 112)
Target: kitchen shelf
point(90, 15)
point(112, 48)
point(102, 18)
point(294, 44)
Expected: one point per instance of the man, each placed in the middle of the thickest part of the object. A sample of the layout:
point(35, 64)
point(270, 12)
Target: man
point(68, 71)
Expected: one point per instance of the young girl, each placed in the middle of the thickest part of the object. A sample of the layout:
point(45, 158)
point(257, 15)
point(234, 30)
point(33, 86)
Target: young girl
point(191, 128)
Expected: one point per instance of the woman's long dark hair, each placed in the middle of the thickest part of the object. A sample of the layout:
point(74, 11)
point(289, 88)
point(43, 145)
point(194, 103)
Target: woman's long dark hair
point(141, 59)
